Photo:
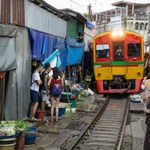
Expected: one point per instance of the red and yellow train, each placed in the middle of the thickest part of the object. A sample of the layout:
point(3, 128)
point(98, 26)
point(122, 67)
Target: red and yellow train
point(118, 61)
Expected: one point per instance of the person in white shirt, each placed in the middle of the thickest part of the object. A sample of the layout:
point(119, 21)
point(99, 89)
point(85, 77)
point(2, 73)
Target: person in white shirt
point(34, 90)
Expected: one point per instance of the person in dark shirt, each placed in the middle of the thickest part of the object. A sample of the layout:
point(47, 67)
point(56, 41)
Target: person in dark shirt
point(44, 87)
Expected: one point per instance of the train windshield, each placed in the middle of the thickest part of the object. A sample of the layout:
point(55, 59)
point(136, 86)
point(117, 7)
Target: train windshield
point(118, 51)
point(102, 51)
point(134, 50)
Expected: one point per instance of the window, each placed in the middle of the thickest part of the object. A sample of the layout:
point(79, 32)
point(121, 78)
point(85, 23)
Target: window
point(134, 50)
point(118, 51)
point(102, 51)
point(141, 26)
point(136, 26)
point(146, 26)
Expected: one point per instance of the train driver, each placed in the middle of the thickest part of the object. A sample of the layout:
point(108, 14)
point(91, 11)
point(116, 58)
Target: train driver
point(119, 52)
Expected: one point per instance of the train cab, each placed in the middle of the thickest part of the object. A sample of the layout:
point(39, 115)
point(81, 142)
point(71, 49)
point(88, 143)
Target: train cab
point(118, 61)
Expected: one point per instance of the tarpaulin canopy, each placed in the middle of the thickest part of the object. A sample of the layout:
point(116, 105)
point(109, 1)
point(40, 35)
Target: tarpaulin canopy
point(7, 48)
point(42, 44)
point(90, 24)
point(8, 54)
point(15, 58)
point(36, 40)
point(61, 45)
point(48, 46)
point(54, 55)
point(63, 56)
point(75, 52)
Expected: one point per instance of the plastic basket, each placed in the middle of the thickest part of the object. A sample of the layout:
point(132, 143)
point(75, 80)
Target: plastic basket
point(30, 136)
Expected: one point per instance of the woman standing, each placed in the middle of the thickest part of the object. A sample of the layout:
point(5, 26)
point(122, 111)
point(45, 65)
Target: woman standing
point(56, 84)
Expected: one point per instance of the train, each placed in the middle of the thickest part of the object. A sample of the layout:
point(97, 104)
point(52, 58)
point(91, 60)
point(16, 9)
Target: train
point(118, 61)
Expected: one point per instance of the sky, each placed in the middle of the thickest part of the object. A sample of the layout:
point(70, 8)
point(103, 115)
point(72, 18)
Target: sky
point(81, 5)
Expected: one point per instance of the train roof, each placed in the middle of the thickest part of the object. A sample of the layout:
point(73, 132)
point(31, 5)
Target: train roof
point(127, 31)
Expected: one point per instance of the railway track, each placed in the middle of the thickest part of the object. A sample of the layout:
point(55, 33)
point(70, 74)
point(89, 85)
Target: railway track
point(107, 128)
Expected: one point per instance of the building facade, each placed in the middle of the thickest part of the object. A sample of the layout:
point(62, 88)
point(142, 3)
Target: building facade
point(126, 16)
point(18, 18)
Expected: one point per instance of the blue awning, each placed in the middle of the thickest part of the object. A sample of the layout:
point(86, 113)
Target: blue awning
point(90, 25)
point(75, 51)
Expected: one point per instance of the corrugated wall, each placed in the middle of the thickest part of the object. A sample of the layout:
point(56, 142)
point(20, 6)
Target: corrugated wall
point(25, 13)
point(12, 12)
point(42, 20)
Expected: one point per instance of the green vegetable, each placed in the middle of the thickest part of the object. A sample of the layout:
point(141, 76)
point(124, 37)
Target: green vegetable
point(10, 127)
point(21, 125)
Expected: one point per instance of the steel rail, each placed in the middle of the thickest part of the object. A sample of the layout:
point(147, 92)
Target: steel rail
point(100, 112)
point(124, 125)
point(98, 115)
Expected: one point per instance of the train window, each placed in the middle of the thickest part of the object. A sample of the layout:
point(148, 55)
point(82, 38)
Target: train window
point(118, 51)
point(102, 51)
point(134, 50)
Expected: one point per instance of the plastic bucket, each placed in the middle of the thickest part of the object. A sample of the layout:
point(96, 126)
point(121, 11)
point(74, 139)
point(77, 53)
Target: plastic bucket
point(61, 111)
point(7, 147)
point(40, 114)
point(73, 103)
point(30, 136)
point(7, 142)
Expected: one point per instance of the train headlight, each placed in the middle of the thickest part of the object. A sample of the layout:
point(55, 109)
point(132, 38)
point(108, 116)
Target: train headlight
point(114, 33)
point(117, 33)
point(120, 33)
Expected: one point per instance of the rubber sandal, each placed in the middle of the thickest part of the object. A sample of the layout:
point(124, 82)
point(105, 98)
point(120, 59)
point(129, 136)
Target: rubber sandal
point(33, 120)
point(51, 120)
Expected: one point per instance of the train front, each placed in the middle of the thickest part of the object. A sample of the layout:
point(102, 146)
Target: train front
point(118, 62)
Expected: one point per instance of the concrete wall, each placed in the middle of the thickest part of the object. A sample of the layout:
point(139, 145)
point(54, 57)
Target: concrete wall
point(87, 36)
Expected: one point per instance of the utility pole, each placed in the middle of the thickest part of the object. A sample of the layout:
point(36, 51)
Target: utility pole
point(148, 33)
point(90, 12)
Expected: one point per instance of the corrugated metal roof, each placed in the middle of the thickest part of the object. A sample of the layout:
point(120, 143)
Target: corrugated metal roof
point(75, 14)
point(42, 20)
point(50, 8)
